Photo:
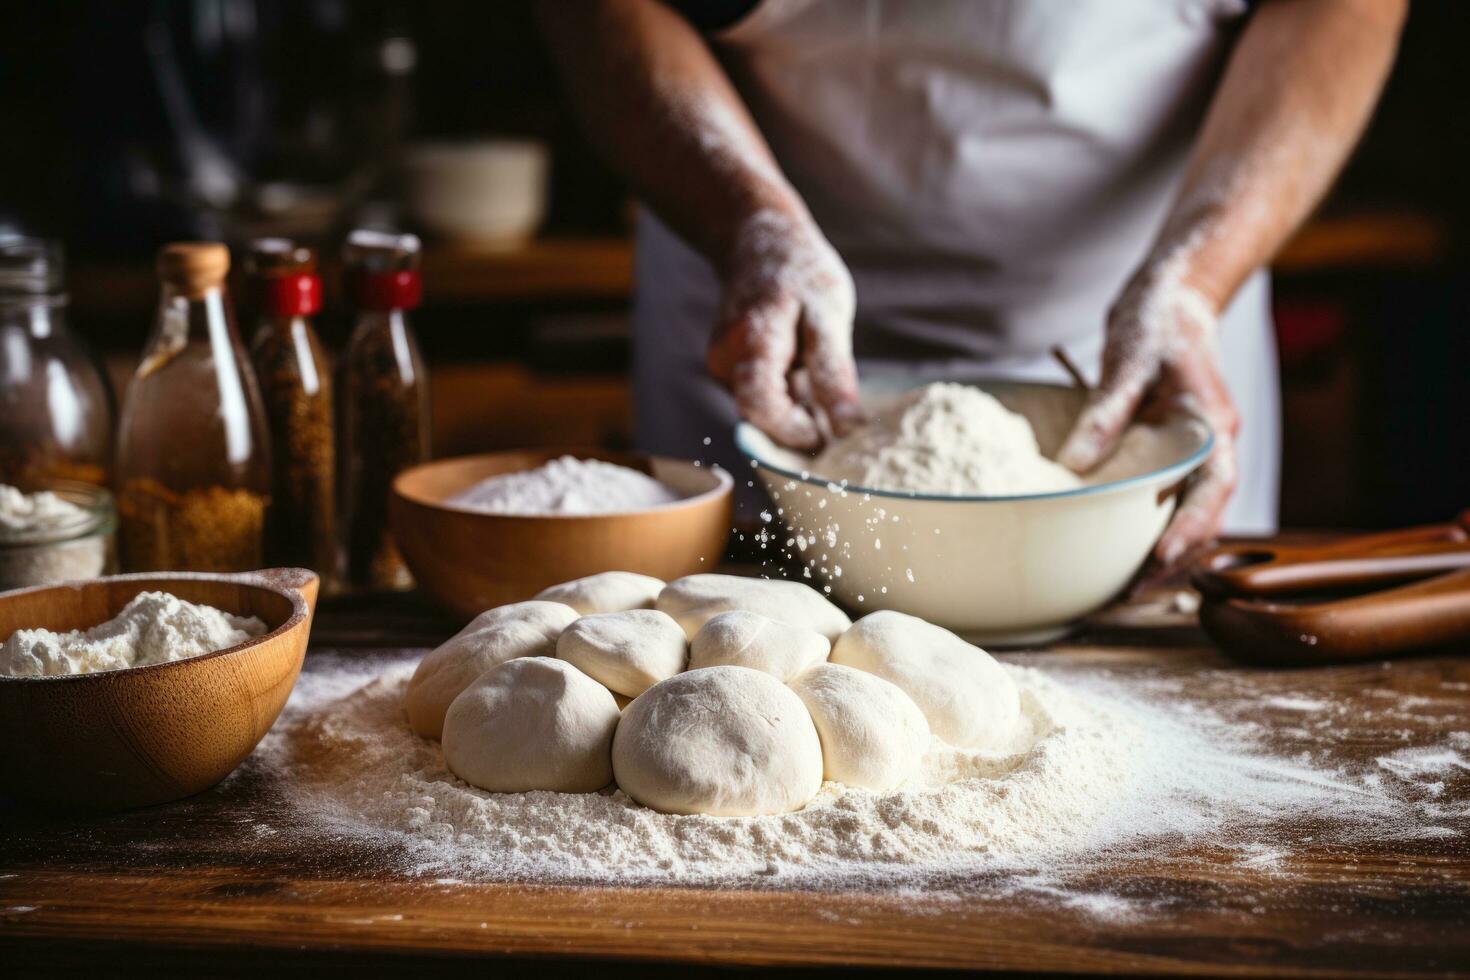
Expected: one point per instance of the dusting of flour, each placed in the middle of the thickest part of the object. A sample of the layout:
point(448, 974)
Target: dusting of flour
point(566, 485)
point(944, 438)
point(1098, 770)
point(153, 628)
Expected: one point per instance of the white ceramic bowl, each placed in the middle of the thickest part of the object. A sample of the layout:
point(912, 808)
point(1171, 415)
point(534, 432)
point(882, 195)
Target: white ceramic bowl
point(1000, 570)
point(487, 192)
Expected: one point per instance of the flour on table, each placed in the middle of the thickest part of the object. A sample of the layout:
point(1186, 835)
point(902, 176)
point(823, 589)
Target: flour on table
point(566, 485)
point(944, 438)
point(1100, 770)
point(153, 628)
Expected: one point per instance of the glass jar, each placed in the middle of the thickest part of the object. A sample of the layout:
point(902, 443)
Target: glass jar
point(193, 461)
point(297, 389)
point(56, 408)
point(385, 401)
point(74, 541)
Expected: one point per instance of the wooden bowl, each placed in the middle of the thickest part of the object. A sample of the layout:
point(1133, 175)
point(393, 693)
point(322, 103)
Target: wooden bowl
point(143, 735)
point(471, 562)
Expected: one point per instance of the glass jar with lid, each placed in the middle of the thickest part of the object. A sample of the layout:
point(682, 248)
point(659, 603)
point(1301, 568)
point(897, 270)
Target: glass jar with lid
point(193, 460)
point(56, 408)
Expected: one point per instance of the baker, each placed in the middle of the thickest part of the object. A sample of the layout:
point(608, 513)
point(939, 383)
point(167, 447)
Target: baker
point(954, 187)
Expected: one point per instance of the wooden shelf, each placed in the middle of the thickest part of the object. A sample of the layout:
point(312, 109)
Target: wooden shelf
point(602, 268)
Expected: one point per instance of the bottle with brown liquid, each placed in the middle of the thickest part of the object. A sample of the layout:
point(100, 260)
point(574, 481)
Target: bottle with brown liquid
point(296, 386)
point(193, 460)
point(384, 401)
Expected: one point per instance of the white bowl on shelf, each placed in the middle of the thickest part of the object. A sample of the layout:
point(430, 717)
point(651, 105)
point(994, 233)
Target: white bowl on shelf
point(489, 193)
point(1005, 571)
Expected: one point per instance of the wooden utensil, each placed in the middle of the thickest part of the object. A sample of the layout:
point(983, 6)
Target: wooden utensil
point(469, 562)
point(143, 735)
point(1250, 611)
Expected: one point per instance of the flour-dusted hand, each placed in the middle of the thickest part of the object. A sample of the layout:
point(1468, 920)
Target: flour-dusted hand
point(787, 307)
point(1162, 351)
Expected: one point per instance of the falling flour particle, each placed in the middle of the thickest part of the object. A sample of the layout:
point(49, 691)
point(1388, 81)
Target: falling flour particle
point(945, 438)
point(566, 486)
point(153, 628)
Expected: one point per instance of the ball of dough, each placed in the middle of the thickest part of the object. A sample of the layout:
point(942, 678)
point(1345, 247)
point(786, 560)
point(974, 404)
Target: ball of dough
point(873, 735)
point(695, 599)
point(606, 592)
point(728, 741)
point(967, 698)
point(628, 651)
point(521, 629)
point(746, 639)
point(532, 723)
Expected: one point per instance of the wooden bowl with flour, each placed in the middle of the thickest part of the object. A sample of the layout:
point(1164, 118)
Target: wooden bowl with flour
point(469, 562)
point(117, 739)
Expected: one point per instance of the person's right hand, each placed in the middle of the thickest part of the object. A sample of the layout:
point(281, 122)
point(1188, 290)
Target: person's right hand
point(786, 311)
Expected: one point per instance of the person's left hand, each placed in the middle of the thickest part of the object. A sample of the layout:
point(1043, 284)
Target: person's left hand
point(1162, 351)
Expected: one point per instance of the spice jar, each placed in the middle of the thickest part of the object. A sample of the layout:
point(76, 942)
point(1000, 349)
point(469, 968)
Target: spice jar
point(58, 534)
point(385, 401)
point(56, 408)
point(297, 390)
point(193, 462)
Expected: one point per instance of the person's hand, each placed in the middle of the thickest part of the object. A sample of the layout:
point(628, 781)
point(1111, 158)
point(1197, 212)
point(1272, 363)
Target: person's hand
point(1162, 351)
point(783, 345)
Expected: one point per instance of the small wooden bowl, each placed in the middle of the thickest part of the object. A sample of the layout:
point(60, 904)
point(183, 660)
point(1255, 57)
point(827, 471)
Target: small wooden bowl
point(471, 562)
point(144, 735)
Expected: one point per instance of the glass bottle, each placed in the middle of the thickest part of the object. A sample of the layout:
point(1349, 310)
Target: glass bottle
point(385, 401)
point(193, 461)
point(56, 407)
point(296, 387)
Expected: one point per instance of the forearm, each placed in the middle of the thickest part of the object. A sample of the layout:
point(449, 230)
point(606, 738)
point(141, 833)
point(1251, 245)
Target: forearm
point(1298, 90)
point(660, 109)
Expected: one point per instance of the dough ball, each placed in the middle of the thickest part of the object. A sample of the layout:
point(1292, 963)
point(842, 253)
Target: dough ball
point(873, 735)
point(695, 599)
point(532, 723)
point(967, 698)
point(629, 651)
point(728, 741)
point(606, 592)
point(521, 629)
point(746, 639)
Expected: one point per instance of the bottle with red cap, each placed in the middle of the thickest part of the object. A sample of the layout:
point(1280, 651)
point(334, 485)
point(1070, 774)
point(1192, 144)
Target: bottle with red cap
point(296, 385)
point(384, 401)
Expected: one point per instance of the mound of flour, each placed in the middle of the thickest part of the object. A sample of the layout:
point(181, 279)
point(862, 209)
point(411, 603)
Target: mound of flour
point(566, 486)
point(154, 628)
point(1093, 771)
point(944, 438)
point(42, 511)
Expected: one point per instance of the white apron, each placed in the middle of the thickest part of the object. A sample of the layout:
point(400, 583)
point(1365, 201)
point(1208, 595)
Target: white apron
point(991, 171)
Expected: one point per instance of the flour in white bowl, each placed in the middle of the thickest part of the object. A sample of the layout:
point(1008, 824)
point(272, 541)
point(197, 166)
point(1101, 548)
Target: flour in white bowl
point(944, 438)
point(153, 628)
point(567, 486)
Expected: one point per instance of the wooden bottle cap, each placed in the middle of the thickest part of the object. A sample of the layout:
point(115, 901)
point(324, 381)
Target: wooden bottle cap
point(194, 268)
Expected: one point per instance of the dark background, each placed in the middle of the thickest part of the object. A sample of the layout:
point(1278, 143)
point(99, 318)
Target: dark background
point(1373, 301)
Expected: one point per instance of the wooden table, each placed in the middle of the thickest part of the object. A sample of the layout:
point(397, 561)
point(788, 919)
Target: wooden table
point(193, 886)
